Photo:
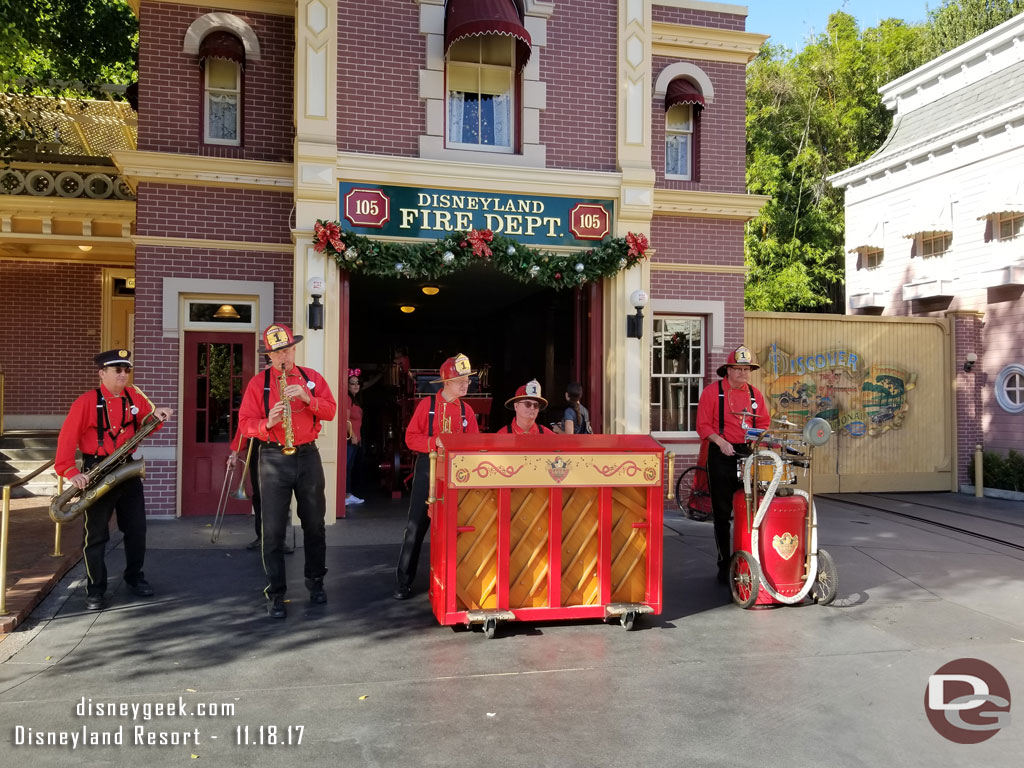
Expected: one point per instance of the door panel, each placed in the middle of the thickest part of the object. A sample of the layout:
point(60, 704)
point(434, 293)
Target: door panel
point(217, 368)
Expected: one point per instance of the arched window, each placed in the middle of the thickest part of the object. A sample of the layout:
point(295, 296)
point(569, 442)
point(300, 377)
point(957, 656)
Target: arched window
point(683, 105)
point(222, 59)
point(486, 47)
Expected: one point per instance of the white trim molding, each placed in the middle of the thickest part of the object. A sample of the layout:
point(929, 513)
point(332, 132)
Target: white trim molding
point(175, 287)
point(226, 22)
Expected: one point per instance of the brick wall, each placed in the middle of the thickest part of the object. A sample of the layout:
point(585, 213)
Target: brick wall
point(720, 152)
point(697, 18)
point(380, 53)
point(579, 66)
point(967, 330)
point(214, 213)
point(170, 86)
point(50, 328)
point(157, 355)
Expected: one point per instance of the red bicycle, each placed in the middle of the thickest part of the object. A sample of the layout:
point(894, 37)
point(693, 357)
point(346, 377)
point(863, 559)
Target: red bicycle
point(693, 494)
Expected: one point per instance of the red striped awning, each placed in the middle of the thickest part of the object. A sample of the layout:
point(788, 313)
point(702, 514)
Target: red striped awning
point(222, 45)
point(683, 92)
point(468, 18)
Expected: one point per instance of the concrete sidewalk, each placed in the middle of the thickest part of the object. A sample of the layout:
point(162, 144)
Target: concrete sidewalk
point(368, 681)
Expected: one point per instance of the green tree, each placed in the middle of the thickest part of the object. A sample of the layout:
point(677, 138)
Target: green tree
point(955, 22)
point(810, 115)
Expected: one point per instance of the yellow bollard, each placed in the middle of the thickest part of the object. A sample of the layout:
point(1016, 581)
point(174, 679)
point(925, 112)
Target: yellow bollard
point(56, 532)
point(5, 523)
point(671, 475)
point(979, 472)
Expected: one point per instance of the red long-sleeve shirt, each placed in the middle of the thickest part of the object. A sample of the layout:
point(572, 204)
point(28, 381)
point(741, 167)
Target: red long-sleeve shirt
point(252, 418)
point(447, 420)
point(79, 428)
point(736, 400)
point(355, 417)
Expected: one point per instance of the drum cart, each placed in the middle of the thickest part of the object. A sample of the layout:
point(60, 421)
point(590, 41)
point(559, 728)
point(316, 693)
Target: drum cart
point(776, 559)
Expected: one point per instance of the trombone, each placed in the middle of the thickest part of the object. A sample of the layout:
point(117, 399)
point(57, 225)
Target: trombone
point(226, 493)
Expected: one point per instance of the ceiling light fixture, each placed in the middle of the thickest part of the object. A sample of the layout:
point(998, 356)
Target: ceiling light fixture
point(430, 290)
point(408, 308)
point(85, 248)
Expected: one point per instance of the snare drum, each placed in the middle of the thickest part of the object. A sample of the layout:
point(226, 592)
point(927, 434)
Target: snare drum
point(766, 471)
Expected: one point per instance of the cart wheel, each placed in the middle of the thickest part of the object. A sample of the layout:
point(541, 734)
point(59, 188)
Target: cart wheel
point(490, 625)
point(826, 584)
point(743, 582)
point(627, 619)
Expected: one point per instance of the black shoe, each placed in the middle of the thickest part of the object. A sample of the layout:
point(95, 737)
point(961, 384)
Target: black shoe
point(95, 603)
point(141, 588)
point(402, 593)
point(317, 595)
point(276, 607)
point(254, 544)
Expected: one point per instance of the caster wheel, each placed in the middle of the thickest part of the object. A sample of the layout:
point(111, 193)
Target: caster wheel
point(626, 620)
point(490, 626)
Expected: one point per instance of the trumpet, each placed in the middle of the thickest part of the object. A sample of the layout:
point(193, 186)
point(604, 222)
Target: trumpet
point(222, 502)
point(286, 416)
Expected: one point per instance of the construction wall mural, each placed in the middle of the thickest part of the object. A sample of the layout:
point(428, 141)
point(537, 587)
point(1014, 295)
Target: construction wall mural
point(857, 397)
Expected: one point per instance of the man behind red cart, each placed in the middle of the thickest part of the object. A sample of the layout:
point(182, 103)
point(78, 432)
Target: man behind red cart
point(527, 404)
point(725, 411)
point(444, 413)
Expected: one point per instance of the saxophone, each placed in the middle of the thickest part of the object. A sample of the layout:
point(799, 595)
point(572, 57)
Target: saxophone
point(286, 416)
point(104, 476)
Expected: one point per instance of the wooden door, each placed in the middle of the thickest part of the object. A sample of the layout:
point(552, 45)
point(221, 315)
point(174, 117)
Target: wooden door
point(218, 366)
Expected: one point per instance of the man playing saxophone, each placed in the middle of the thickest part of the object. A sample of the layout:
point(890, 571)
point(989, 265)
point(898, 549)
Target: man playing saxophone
point(284, 406)
point(101, 421)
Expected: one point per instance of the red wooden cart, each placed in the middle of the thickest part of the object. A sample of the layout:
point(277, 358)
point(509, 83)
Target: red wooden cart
point(546, 527)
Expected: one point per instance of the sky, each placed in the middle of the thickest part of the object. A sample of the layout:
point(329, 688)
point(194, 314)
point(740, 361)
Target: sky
point(789, 22)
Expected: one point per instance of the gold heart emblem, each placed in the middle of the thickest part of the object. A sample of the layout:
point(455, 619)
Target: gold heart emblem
point(786, 545)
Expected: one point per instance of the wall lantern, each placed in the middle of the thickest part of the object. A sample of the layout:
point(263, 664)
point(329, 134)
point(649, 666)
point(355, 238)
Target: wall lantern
point(635, 323)
point(969, 360)
point(316, 287)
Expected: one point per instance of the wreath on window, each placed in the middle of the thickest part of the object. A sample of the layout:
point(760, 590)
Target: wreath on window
point(426, 260)
point(676, 345)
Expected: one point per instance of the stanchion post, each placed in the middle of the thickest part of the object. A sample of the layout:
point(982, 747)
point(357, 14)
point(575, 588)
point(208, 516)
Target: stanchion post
point(56, 526)
point(433, 478)
point(671, 475)
point(6, 522)
point(979, 472)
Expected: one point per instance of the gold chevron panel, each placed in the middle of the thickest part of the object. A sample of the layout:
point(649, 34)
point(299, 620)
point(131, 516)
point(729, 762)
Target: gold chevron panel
point(476, 572)
point(528, 543)
point(580, 517)
point(629, 545)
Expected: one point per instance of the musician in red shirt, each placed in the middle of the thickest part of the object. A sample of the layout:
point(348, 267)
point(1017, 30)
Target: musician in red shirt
point(442, 414)
point(527, 404)
point(99, 422)
point(724, 413)
point(283, 471)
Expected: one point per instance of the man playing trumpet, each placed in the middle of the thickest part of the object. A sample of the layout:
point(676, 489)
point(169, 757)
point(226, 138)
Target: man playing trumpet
point(284, 407)
point(101, 421)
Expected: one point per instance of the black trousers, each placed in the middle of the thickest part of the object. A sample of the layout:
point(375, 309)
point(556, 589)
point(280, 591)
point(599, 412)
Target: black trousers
point(724, 482)
point(254, 481)
point(301, 474)
point(418, 525)
point(128, 503)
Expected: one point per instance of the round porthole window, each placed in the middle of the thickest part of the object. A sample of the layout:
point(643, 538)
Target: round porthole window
point(1010, 388)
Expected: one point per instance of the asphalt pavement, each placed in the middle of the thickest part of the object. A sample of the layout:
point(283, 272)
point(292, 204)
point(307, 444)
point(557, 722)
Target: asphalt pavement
point(200, 673)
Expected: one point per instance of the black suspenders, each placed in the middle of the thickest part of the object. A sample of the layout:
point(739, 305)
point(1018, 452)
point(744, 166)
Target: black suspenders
point(539, 426)
point(721, 407)
point(266, 391)
point(430, 418)
point(103, 419)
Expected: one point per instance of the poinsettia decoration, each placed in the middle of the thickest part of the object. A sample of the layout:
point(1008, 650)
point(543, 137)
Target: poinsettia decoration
point(430, 260)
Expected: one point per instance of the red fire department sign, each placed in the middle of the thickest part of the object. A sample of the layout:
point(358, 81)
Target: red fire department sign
point(367, 207)
point(588, 221)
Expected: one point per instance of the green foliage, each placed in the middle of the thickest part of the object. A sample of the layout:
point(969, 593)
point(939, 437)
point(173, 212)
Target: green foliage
point(811, 115)
point(955, 22)
point(1003, 472)
point(84, 41)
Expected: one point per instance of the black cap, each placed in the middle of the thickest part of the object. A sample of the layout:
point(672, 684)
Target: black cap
point(113, 357)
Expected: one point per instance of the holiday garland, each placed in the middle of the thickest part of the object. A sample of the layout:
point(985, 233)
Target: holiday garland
point(458, 250)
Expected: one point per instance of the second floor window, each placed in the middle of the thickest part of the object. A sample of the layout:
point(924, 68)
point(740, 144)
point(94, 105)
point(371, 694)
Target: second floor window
point(481, 93)
point(870, 258)
point(223, 102)
point(935, 243)
point(1009, 225)
point(679, 141)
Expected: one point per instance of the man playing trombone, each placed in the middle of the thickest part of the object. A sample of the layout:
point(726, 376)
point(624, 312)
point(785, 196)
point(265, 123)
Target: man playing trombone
point(284, 407)
point(99, 423)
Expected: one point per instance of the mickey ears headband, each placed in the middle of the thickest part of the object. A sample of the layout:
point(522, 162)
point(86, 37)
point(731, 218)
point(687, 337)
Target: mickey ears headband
point(354, 372)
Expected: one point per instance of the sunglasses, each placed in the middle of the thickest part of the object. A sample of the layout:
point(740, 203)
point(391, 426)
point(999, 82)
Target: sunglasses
point(529, 404)
point(119, 368)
